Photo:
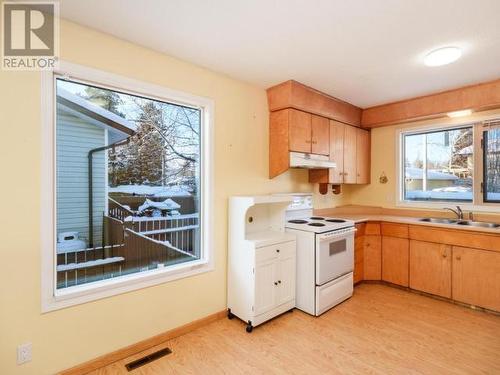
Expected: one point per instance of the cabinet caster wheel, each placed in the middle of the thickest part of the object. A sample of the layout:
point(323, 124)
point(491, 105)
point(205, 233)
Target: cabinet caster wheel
point(230, 315)
point(249, 327)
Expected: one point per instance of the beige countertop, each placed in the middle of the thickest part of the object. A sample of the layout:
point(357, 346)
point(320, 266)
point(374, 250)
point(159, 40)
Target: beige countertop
point(414, 221)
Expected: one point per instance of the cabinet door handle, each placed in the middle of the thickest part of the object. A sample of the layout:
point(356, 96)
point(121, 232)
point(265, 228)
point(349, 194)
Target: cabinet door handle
point(279, 281)
point(277, 250)
point(444, 255)
point(458, 257)
point(275, 283)
point(345, 173)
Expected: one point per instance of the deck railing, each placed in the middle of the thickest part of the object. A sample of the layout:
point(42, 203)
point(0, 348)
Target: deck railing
point(181, 231)
point(136, 245)
point(117, 210)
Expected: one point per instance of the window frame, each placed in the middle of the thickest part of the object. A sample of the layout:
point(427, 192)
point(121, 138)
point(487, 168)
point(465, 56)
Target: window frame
point(53, 298)
point(478, 203)
point(484, 141)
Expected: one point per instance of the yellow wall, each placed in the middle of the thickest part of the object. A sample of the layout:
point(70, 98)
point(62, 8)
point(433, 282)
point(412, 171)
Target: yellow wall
point(383, 160)
point(70, 336)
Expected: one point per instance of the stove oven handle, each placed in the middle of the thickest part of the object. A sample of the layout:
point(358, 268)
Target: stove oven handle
point(329, 236)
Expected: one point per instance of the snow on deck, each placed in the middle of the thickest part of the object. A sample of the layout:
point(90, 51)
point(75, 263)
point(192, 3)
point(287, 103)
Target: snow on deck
point(155, 191)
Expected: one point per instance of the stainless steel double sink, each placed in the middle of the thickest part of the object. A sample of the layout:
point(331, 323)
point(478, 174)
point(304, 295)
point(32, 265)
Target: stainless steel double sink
point(471, 223)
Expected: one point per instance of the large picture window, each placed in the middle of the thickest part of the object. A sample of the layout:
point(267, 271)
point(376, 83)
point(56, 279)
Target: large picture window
point(128, 170)
point(438, 165)
point(128, 177)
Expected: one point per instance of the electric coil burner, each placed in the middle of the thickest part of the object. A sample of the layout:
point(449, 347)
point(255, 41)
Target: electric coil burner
point(298, 221)
point(316, 224)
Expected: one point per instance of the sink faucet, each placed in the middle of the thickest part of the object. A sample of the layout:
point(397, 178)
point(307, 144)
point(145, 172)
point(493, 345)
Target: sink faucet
point(458, 212)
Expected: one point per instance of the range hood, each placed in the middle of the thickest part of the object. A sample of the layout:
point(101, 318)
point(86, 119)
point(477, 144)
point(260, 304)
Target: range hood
point(310, 161)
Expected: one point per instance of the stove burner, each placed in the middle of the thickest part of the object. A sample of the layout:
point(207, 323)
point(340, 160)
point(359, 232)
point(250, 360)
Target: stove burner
point(317, 218)
point(335, 220)
point(297, 221)
point(316, 224)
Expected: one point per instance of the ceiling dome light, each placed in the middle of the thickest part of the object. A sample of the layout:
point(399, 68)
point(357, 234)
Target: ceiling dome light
point(462, 113)
point(442, 56)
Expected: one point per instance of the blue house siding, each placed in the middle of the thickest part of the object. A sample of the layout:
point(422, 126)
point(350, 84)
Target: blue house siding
point(75, 138)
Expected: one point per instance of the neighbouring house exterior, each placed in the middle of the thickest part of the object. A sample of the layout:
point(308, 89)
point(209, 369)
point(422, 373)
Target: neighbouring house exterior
point(435, 179)
point(82, 127)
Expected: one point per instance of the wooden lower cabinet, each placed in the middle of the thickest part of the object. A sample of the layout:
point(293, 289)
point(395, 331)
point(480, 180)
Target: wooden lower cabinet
point(430, 268)
point(359, 243)
point(476, 277)
point(395, 257)
point(372, 257)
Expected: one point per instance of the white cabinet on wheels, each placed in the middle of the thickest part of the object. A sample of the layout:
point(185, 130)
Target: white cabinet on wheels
point(261, 260)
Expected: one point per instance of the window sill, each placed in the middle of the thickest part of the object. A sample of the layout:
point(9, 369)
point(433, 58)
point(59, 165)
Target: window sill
point(76, 295)
point(425, 205)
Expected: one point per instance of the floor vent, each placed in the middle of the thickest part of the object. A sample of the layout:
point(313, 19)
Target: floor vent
point(149, 358)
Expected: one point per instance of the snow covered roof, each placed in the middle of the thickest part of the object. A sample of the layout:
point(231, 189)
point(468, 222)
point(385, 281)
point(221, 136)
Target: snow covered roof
point(167, 204)
point(155, 191)
point(418, 174)
point(119, 127)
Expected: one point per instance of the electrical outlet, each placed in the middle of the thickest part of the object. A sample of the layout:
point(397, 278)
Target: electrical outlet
point(24, 353)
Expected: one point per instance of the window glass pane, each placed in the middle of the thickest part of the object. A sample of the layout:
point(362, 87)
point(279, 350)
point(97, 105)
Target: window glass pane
point(127, 184)
point(492, 165)
point(438, 166)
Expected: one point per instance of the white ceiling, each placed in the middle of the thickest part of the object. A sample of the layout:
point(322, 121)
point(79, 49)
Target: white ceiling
point(366, 52)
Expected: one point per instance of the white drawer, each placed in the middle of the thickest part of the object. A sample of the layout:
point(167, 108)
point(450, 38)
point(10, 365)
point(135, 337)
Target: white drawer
point(333, 293)
point(281, 250)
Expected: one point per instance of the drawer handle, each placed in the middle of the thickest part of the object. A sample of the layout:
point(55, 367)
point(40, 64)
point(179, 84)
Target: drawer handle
point(275, 283)
point(279, 281)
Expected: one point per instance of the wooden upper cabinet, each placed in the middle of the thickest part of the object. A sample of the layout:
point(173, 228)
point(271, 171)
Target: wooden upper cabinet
point(336, 175)
point(430, 268)
point(476, 279)
point(350, 144)
point(300, 131)
point(362, 156)
point(292, 94)
point(320, 135)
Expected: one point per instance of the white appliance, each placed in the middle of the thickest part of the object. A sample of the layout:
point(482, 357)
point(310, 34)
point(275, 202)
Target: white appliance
point(261, 259)
point(325, 256)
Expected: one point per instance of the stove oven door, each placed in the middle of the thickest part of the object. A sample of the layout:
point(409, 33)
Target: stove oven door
point(334, 254)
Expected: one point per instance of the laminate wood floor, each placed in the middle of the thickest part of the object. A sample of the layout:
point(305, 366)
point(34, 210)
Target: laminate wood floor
point(381, 330)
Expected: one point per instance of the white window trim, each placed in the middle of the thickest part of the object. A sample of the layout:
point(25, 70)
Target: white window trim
point(457, 123)
point(52, 299)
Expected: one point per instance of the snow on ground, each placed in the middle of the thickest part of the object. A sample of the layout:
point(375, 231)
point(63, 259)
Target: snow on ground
point(438, 195)
point(155, 191)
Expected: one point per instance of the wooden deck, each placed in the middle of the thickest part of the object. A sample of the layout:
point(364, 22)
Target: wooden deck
point(381, 330)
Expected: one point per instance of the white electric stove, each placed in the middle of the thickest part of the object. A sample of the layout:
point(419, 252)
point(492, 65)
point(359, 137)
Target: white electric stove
point(325, 256)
